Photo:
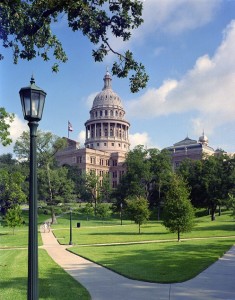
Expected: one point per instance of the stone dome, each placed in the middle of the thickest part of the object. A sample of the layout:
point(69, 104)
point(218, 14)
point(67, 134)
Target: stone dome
point(203, 139)
point(107, 97)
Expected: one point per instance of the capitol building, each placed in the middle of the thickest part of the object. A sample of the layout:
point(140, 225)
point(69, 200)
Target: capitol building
point(107, 140)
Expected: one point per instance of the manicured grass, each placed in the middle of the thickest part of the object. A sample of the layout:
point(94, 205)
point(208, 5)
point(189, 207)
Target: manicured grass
point(161, 261)
point(108, 233)
point(20, 236)
point(158, 262)
point(52, 279)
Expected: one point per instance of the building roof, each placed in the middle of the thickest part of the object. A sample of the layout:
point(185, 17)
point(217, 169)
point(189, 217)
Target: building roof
point(107, 97)
point(185, 142)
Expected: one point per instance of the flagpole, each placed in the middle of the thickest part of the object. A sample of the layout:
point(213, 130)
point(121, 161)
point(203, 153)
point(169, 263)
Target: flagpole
point(68, 129)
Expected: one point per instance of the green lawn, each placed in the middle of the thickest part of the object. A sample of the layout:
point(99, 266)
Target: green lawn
point(158, 262)
point(13, 270)
point(161, 261)
point(107, 232)
point(165, 260)
point(52, 279)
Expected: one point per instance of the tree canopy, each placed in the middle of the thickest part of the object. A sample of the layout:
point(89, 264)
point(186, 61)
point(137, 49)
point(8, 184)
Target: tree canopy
point(26, 28)
point(137, 209)
point(211, 180)
point(178, 210)
point(5, 120)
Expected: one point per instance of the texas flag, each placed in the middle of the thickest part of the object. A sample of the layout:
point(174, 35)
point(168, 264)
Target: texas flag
point(70, 127)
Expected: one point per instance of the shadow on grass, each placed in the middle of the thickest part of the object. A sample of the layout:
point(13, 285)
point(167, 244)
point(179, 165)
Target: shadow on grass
point(219, 227)
point(163, 263)
point(157, 234)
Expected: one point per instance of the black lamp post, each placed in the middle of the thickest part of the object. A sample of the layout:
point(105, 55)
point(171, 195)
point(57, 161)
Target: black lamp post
point(32, 101)
point(70, 240)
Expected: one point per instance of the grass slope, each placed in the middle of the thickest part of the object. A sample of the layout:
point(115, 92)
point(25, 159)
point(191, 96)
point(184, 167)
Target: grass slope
point(52, 279)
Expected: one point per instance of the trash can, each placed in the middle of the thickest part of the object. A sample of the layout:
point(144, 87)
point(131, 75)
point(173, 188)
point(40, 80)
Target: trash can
point(78, 225)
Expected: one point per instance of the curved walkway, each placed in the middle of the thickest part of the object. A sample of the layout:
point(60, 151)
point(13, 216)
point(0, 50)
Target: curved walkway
point(216, 282)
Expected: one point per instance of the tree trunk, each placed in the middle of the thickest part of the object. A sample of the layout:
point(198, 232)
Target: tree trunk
point(213, 209)
point(159, 212)
point(53, 216)
point(178, 235)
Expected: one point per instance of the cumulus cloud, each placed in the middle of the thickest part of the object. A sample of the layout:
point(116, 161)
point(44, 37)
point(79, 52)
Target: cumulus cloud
point(16, 129)
point(170, 17)
point(207, 89)
point(140, 139)
point(81, 138)
point(89, 99)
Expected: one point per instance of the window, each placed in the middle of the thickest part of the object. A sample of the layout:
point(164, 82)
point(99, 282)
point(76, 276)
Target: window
point(79, 159)
point(115, 174)
point(113, 144)
point(98, 144)
point(101, 113)
point(114, 163)
point(114, 184)
point(92, 160)
point(105, 144)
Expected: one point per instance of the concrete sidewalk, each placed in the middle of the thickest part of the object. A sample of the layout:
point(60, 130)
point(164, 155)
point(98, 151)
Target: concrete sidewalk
point(216, 282)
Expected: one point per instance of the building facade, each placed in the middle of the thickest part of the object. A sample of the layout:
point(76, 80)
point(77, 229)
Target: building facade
point(191, 149)
point(107, 138)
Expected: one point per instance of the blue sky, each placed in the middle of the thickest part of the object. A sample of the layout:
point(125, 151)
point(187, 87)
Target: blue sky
point(187, 47)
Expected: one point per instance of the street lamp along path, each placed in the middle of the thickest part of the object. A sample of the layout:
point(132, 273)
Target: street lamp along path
point(32, 101)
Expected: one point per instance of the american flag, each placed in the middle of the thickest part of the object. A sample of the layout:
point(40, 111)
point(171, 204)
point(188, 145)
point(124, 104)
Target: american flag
point(70, 127)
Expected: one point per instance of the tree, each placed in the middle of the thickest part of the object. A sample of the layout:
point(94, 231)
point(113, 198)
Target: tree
point(13, 217)
point(48, 145)
point(11, 192)
point(231, 204)
point(210, 179)
point(105, 190)
point(137, 210)
point(102, 211)
point(88, 210)
point(59, 190)
point(136, 180)
point(178, 212)
point(161, 170)
point(5, 119)
point(26, 28)
point(92, 187)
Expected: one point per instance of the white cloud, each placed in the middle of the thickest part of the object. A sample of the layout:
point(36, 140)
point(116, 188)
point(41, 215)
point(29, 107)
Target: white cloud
point(90, 98)
point(81, 138)
point(139, 139)
point(172, 17)
point(177, 16)
point(207, 89)
point(16, 129)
